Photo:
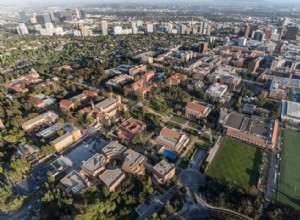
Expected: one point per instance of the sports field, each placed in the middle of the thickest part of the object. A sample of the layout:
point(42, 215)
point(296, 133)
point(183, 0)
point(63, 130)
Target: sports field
point(289, 184)
point(236, 161)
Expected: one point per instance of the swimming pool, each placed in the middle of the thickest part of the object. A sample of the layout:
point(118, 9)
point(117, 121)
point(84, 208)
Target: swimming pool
point(168, 154)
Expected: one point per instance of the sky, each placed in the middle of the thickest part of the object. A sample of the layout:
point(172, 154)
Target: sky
point(53, 2)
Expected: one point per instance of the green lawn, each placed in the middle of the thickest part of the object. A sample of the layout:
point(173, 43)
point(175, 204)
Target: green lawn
point(171, 125)
point(179, 120)
point(289, 184)
point(160, 106)
point(236, 161)
point(195, 125)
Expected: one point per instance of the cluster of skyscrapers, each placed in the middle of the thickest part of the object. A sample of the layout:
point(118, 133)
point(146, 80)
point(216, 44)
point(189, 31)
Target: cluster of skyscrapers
point(138, 27)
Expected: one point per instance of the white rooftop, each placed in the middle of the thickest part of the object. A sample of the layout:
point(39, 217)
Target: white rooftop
point(293, 109)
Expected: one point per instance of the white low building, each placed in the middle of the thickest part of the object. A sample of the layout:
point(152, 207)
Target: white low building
point(290, 111)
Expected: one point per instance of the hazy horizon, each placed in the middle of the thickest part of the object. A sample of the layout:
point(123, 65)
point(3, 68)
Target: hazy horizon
point(64, 2)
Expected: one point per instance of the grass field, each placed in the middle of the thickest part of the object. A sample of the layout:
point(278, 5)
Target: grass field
point(179, 120)
point(236, 161)
point(289, 184)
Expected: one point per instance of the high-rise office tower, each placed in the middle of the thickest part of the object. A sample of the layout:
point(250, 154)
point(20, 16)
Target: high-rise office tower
point(134, 30)
point(285, 21)
point(133, 24)
point(258, 35)
point(205, 24)
point(170, 28)
point(68, 14)
point(201, 28)
point(253, 28)
point(24, 18)
point(149, 28)
point(40, 19)
point(247, 31)
point(291, 32)
point(203, 47)
point(118, 30)
point(49, 26)
point(226, 40)
point(32, 19)
point(85, 31)
point(208, 30)
point(52, 12)
point(139, 23)
point(242, 42)
point(38, 27)
point(22, 29)
point(195, 29)
point(47, 18)
point(104, 28)
point(83, 14)
point(267, 33)
point(77, 13)
point(182, 29)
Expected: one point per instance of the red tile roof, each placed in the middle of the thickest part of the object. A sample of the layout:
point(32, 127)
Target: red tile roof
point(167, 132)
point(196, 107)
point(66, 103)
point(90, 93)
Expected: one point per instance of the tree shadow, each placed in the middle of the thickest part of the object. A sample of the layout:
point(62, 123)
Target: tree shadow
point(254, 171)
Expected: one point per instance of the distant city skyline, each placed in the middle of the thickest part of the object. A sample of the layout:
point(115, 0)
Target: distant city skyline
point(59, 2)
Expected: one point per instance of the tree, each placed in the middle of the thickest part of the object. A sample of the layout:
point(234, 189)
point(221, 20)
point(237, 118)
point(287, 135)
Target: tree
point(127, 115)
point(106, 191)
point(10, 138)
point(46, 150)
point(60, 132)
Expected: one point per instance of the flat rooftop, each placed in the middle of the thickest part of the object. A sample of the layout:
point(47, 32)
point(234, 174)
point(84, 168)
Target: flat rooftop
point(114, 148)
point(254, 125)
point(132, 158)
point(293, 109)
point(95, 163)
point(106, 103)
point(164, 167)
point(109, 177)
point(73, 181)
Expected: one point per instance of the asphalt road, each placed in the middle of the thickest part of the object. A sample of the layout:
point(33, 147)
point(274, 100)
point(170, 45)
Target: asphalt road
point(198, 159)
point(23, 211)
point(158, 204)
